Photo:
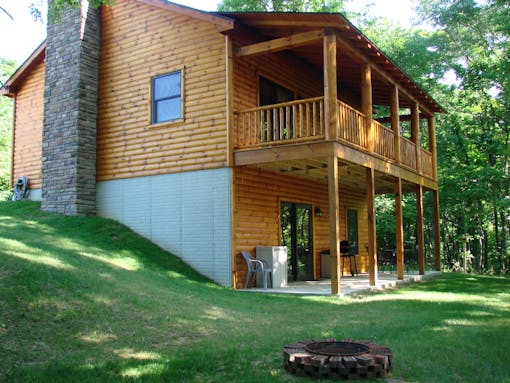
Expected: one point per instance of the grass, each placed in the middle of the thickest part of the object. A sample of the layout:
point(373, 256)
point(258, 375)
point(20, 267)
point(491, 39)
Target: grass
point(87, 300)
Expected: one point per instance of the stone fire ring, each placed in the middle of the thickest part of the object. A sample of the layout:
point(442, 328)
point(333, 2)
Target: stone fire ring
point(320, 359)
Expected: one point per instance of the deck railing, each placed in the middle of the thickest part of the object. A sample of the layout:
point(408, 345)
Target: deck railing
point(284, 123)
point(407, 153)
point(303, 121)
point(384, 140)
point(352, 127)
point(426, 163)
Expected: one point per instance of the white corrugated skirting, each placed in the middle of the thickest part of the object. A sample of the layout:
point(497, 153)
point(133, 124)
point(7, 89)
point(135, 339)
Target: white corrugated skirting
point(187, 214)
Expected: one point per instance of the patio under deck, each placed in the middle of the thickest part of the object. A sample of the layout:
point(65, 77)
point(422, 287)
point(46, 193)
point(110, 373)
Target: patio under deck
point(349, 285)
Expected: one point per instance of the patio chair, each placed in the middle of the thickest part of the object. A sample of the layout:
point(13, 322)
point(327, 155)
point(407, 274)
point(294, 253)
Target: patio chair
point(256, 266)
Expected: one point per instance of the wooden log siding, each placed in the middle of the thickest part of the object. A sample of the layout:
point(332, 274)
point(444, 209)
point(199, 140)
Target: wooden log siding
point(257, 208)
point(284, 123)
point(384, 140)
point(408, 153)
point(28, 122)
point(138, 42)
point(284, 69)
point(426, 163)
point(352, 127)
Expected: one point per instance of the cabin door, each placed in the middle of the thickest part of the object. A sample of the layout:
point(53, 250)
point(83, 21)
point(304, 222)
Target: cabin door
point(277, 123)
point(297, 235)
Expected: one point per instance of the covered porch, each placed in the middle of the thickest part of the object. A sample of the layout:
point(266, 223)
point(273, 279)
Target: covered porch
point(340, 130)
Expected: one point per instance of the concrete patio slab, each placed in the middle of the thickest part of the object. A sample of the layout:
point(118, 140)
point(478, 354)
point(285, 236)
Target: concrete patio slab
point(349, 285)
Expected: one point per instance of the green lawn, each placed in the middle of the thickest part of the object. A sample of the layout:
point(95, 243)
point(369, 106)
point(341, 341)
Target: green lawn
point(86, 300)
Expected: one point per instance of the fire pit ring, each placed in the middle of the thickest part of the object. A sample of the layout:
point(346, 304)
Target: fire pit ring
point(332, 359)
point(330, 348)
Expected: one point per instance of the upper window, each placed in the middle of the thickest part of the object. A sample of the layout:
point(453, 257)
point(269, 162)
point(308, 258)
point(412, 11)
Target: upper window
point(167, 97)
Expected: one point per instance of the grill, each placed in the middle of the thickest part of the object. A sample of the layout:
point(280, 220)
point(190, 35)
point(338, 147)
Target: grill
point(332, 359)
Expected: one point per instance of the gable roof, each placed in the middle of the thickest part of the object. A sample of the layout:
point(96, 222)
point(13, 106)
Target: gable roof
point(222, 24)
point(9, 88)
point(275, 25)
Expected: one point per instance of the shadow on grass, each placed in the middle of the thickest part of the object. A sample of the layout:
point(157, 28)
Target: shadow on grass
point(155, 319)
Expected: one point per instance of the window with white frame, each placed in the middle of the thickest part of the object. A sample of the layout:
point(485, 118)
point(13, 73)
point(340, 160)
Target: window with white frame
point(167, 97)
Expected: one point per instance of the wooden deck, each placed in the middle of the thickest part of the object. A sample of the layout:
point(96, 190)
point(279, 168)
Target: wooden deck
point(302, 121)
point(350, 285)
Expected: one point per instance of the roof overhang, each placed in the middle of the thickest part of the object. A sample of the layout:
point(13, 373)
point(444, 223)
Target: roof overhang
point(10, 86)
point(360, 50)
point(222, 23)
point(354, 50)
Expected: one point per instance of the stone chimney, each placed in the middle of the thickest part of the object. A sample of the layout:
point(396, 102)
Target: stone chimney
point(70, 112)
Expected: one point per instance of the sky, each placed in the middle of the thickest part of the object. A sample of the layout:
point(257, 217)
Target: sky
point(22, 35)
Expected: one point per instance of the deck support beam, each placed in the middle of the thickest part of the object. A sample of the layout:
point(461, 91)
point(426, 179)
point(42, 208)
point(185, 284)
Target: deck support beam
point(437, 233)
point(281, 44)
point(419, 230)
point(372, 239)
point(399, 229)
point(330, 86)
point(334, 224)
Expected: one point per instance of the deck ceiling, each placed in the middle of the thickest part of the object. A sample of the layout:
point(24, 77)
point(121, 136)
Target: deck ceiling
point(351, 176)
point(353, 50)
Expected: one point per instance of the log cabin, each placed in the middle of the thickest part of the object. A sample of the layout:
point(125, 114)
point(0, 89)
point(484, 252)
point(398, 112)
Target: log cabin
point(214, 133)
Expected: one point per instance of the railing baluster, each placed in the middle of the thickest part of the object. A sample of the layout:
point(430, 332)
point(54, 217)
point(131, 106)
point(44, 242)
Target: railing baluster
point(314, 118)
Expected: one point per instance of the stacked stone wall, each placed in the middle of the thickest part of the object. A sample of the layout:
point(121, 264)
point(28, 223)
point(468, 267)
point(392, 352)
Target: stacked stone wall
point(70, 112)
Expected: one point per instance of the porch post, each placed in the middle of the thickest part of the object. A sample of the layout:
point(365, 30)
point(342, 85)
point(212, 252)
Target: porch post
point(366, 104)
point(399, 228)
point(372, 240)
point(395, 122)
point(330, 86)
point(415, 134)
point(437, 234)
point(419, 229)
point(334, 224)
point(432, 144)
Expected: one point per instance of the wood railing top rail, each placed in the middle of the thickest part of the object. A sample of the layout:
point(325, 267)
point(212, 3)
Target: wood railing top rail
point(407, 141)
point(281, 105)
point(343, 104)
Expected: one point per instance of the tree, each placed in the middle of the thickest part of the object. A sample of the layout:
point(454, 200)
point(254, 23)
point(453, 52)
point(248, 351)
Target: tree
point(473, 37)
point(7, 67)
point(281, 5)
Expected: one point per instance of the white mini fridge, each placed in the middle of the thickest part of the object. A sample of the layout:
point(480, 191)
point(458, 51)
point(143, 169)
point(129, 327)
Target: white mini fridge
point(276, 258)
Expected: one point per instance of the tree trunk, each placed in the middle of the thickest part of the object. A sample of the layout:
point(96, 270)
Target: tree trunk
point(486, 249)
point(496, 239)
point(502, 255)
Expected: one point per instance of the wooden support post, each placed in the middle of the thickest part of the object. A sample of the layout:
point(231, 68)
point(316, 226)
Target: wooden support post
point(229, 51)
point(437, 234)
point(415, 134)
point(399, 229)
point(432, 143)
point(334, 224)
point(419, 229)
point(372, 239)
point(366, 103)
point(395, 122)
point(330, 86)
